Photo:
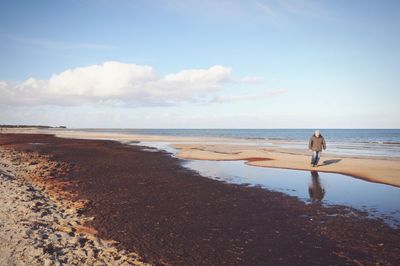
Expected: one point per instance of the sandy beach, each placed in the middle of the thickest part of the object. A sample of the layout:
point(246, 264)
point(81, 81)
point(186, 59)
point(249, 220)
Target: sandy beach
point(385, 170)
point(380, 170)
point(117, 202)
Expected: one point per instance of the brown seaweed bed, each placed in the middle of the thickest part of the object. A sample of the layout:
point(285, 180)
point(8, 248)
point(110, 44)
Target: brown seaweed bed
point(148, 203)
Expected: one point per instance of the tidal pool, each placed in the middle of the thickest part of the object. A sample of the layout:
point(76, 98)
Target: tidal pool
point(378, 200)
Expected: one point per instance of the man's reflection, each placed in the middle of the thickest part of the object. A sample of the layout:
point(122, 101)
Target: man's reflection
point(315, 188)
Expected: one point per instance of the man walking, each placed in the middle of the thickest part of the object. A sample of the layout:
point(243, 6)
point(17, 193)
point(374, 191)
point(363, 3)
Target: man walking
point(317, 143)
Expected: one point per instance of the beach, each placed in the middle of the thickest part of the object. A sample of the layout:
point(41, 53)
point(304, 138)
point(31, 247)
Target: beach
point(42, 224)
point(142, 206)
point(380, 169)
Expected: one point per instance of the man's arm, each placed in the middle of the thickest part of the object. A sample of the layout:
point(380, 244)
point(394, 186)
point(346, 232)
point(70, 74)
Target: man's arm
point(323, 143)
point(310, 143)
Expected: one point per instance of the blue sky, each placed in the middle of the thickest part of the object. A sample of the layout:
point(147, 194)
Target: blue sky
point(201, 64)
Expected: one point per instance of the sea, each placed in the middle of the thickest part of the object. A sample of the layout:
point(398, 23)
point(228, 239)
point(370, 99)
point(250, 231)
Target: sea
point(364, 142)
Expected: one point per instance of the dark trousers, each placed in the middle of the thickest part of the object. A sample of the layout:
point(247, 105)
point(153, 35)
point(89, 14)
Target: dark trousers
point(315, 157)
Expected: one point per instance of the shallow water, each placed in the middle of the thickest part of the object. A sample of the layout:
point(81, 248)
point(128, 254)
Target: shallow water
point(378, 200)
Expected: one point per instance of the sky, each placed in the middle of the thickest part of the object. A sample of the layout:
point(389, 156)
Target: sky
point(200, 63)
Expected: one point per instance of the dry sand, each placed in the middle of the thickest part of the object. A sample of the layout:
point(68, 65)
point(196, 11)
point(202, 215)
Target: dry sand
point(384, 170)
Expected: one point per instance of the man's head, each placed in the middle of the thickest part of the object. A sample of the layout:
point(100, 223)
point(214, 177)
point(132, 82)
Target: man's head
point(316, 133)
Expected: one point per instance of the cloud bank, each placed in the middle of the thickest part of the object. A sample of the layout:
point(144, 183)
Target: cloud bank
point(116, 83)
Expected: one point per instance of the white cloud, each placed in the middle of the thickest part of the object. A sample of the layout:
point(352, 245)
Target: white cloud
point(116, 83)
point(110, 79)
point(212, 75)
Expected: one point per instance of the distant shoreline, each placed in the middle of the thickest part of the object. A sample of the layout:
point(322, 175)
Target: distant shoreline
point(31, 126)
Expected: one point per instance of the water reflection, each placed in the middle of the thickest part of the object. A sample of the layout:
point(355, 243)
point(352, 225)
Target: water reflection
point(377, 199)
point(315, 188)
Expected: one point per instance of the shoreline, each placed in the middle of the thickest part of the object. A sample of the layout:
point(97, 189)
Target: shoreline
point(384, 170)
point(149, 204)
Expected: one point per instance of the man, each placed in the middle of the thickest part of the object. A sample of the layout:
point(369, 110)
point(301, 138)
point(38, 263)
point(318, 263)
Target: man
point(317, 143)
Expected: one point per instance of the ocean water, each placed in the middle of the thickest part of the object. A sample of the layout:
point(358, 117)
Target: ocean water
point(367, 142)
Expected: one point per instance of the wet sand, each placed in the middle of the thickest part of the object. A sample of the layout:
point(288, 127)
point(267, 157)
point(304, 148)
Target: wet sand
point(374, 169)
point(148, 203)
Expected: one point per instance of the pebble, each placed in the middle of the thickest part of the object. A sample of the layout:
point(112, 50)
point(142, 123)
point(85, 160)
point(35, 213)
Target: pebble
point(30, 221)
